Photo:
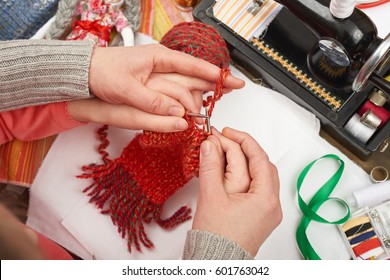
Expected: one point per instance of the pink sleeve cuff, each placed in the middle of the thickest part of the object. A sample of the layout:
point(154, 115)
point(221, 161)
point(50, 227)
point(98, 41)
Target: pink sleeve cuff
point(62, 116)
point(32, 123)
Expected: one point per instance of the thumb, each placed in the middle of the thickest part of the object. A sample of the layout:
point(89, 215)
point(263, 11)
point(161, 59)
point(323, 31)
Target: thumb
point(211, 170)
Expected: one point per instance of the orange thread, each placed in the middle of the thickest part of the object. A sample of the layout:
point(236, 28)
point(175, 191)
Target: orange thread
point(366, 246)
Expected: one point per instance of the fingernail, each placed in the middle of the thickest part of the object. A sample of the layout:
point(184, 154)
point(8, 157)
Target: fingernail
point(176, 111)
point(181, 125)
point(205, 148)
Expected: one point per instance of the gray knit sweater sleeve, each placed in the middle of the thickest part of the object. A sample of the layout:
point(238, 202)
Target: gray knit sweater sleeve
point(36, 72)
point(204, 245)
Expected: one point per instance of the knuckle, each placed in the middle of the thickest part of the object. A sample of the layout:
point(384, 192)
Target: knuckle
point(278, 215)
point(264, 156)
point(247, 138)
point(158, 48)
point(155, 104)
point(275, 207)
point(235, 146)
point(207, 167)
point(246, 135)
point(186, 98)
point(273, 168)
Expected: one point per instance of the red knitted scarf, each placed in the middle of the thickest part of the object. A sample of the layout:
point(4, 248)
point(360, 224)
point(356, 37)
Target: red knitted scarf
point(133, 188)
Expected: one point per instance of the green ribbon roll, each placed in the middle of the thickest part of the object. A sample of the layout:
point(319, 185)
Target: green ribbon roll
point(319, 198)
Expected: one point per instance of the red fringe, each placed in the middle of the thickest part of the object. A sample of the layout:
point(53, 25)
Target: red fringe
point(115, 192)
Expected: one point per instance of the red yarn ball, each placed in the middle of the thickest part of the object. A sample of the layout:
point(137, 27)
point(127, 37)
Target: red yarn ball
point(200, 40)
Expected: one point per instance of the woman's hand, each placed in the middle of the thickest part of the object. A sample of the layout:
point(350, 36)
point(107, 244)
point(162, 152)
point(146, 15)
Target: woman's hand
point(238, 190)
point(132, 76)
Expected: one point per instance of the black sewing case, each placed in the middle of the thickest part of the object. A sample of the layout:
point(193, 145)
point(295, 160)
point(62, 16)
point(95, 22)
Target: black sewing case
point(286, 55)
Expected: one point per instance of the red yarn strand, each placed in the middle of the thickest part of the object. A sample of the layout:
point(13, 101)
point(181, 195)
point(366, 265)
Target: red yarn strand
point(210, 102)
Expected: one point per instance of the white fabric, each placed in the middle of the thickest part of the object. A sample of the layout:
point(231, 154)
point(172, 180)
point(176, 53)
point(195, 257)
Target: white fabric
point(288, 133)
point(380, 15)
point(42, 31)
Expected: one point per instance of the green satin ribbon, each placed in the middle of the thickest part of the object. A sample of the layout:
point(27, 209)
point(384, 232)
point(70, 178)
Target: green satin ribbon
point(319, 198)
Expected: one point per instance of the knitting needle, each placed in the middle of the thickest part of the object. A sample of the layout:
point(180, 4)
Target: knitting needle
point(197, 115)
point(203, 116)
point(208, 126)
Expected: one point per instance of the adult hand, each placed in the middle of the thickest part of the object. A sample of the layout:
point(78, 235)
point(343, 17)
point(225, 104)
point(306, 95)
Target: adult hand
point(128, 75)
point(238, 190)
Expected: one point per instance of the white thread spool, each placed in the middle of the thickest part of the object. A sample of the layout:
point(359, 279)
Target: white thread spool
point(371, 195)
point(359, 130)
point(342, 8)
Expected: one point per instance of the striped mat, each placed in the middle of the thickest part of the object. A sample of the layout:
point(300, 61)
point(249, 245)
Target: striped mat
point(20, 161)
point(240, 17)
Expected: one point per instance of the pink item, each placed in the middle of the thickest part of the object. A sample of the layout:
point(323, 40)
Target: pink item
point(35, 122)
point(97, 18)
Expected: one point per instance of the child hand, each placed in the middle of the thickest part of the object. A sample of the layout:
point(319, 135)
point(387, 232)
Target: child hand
point(123, 116)
point(239, 201)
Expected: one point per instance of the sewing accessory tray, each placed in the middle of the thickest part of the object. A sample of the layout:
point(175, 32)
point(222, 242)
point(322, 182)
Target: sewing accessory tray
point(287, 49)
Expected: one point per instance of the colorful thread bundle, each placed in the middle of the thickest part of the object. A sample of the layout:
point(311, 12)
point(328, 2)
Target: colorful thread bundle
point(362, 238)
point(133, 188)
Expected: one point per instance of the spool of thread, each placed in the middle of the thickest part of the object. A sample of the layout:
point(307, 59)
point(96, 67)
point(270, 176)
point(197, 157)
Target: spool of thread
point(381, 112)
point(359, 130)
point(371, 195)
point(342, 8)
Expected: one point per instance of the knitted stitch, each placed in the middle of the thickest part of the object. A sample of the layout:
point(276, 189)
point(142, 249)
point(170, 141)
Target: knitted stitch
point(133, 188)
point(21, 19)
point(66, 9)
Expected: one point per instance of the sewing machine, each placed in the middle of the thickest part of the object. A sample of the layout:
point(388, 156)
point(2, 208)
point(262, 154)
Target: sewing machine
point(328, 60)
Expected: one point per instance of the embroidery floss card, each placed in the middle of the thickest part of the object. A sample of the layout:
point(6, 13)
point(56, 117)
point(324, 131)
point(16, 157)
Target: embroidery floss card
point(367, 234)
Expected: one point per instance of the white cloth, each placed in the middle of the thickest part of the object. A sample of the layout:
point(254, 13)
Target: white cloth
point(380, 16)
point(288, 133)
